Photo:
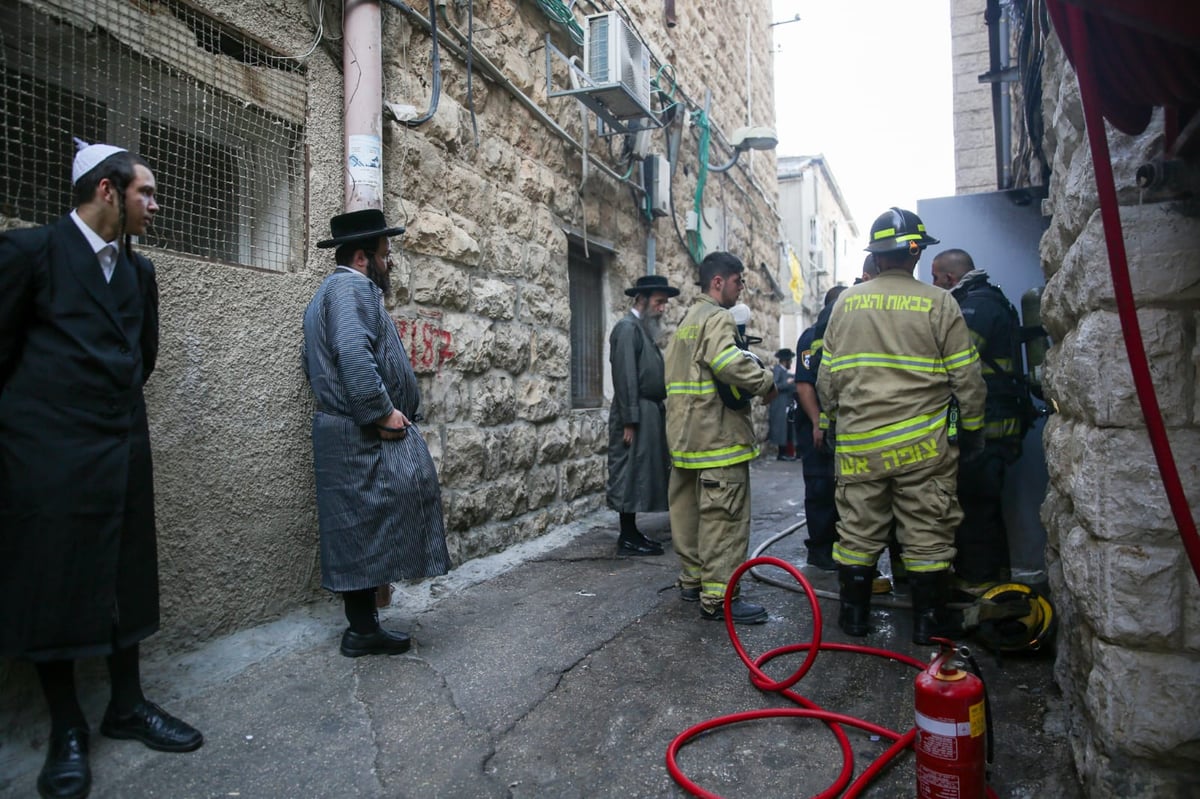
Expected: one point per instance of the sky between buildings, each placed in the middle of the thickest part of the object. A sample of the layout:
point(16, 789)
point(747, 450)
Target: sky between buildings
point(868, 84)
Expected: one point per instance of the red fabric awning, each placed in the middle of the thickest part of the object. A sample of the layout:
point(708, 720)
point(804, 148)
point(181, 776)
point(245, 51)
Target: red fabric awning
point(1146, 54)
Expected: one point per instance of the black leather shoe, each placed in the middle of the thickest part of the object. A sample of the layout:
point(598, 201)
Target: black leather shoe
point(66, 774)
point(743, 612)
point(380, 642)
point(650, 542)
point(689, 593)
point(154, 727)
point(638, 547)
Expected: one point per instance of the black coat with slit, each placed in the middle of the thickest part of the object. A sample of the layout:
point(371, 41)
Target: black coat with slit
point(78, 562)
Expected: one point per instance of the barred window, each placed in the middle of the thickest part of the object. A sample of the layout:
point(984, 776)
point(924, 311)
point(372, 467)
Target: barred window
point(219, 118)
point(585, 277)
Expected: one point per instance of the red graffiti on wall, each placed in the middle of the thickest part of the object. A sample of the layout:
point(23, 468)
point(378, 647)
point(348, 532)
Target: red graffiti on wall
point(428, 345)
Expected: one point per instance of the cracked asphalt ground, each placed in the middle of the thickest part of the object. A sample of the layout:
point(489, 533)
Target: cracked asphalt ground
point(552, 670)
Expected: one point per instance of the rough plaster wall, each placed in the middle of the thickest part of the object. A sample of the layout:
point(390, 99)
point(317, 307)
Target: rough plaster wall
point(1129, 606)
point(229, 407)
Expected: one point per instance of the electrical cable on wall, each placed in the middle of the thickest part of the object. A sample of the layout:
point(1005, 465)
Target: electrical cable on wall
point(471, 68)
point(435, 94)
point(696, 250)
point(561, 14)
point(493, 72)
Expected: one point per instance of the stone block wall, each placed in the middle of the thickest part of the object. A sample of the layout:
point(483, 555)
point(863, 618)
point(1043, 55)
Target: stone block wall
point(481, 290)
point(1129, 605)
point(974, 134)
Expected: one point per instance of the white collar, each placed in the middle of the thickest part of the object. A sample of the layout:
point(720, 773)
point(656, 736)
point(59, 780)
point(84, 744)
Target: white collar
point(93, 238)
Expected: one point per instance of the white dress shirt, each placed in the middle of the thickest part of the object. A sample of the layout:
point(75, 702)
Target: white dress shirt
point(106, 251)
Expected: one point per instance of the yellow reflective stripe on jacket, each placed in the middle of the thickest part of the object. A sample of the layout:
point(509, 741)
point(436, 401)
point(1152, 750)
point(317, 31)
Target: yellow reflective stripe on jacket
point(1002, 428)
point(713, 458)
point(892, 434)
point(817, 343)
point(713, 589)
point(910, 363)
point(961, 359)
point(723, 359)
point(698, 387)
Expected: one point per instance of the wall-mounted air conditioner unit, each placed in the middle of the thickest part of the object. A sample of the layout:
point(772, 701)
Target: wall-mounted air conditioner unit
point(617, 65)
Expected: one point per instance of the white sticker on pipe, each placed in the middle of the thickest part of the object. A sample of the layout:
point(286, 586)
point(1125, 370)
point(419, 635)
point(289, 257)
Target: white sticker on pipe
point(364, 160)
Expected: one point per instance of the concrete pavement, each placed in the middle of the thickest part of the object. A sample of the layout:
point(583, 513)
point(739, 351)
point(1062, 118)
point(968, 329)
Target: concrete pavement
point(552, 670)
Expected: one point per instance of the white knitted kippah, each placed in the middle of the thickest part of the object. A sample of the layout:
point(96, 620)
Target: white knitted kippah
point(88, 156)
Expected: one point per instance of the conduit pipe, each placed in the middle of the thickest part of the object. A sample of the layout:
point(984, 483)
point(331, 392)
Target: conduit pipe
point(362, 91)
point(1123, 286)
point(493, 72)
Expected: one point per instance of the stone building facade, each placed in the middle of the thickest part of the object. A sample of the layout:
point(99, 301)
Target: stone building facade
point(818, 225)
point(974, 135)
point(1128, 647)
point(510, 275)
point(1129, 637)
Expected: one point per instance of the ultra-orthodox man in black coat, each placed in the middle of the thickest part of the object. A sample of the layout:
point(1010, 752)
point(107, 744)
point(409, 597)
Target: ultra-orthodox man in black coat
point(78, 562)
point(637, 475)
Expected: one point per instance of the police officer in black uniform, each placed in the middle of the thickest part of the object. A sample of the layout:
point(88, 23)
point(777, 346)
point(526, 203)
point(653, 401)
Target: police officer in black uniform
point(982, 539)
point(816, 456)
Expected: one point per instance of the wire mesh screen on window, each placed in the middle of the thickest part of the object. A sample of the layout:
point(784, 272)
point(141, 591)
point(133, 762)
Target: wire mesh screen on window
point(219, 118)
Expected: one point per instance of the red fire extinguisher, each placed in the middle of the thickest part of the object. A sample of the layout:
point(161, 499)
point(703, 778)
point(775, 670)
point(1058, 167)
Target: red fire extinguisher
point(952, 729)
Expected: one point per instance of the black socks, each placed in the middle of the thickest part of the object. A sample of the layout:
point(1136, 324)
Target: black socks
point(360, 610)
point(58, 685)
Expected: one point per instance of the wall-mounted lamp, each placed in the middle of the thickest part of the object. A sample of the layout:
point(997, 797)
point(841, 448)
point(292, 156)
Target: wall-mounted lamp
point(750, 138)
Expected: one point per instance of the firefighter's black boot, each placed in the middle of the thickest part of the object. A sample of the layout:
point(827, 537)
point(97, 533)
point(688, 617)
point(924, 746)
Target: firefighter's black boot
point(931, 617)
point(854, 584)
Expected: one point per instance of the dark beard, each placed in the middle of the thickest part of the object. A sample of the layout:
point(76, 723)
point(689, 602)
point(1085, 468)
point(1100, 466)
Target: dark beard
point(380, 277)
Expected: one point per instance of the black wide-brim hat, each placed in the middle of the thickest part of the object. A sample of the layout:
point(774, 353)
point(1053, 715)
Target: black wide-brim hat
point(365, 224)
point(648, 284)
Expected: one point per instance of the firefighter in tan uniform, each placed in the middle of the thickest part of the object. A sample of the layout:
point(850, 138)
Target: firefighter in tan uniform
point(711, 442)
point(901, 384)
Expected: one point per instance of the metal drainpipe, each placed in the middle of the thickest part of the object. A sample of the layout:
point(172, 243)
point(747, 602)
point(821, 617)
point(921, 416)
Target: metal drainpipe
point(363, 91)
point(998, 61)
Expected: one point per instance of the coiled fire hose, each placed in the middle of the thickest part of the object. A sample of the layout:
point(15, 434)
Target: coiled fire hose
point(806, 707)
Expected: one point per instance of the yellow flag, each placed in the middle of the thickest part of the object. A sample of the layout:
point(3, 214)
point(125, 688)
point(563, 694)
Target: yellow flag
point(796, 284)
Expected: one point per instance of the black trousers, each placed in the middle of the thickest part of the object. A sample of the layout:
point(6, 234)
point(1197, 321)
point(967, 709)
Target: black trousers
point(982, 539)
point(819, 504)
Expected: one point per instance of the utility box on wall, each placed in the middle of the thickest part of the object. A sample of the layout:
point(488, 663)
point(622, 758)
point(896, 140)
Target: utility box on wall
point(1002, 231)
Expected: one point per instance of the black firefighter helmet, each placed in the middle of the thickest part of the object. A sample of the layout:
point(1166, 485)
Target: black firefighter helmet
point(734, 397)
point(896, 229)
point(1025, 633)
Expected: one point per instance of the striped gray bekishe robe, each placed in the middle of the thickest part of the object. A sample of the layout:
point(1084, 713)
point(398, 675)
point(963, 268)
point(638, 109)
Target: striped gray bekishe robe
point(378, 502)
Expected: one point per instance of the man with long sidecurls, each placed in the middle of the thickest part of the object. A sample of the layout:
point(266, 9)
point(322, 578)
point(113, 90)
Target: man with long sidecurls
point(78, 557)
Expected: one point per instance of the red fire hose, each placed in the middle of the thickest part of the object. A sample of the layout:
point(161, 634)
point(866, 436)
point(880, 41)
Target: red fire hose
point(807, 708)
point(1122, 286)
